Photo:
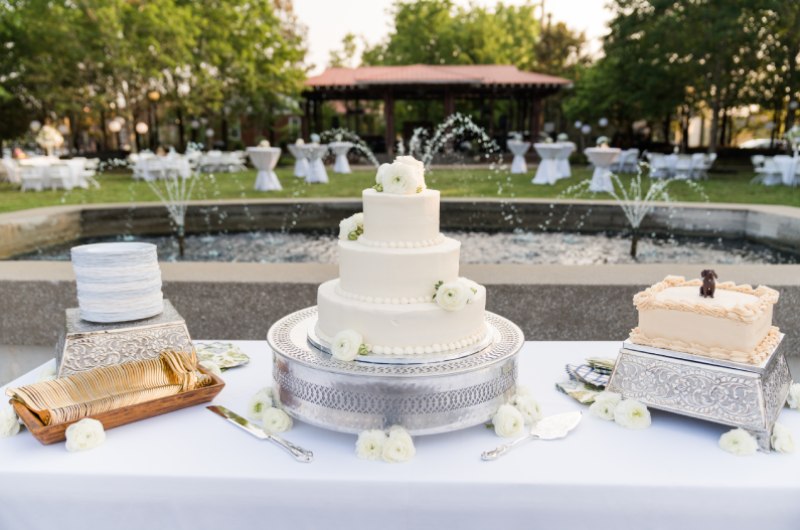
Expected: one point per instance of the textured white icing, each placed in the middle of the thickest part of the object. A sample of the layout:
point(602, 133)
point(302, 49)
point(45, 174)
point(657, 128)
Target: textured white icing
point(401, 328)
point(402, 244)
point(404, 218)
point(396, 273)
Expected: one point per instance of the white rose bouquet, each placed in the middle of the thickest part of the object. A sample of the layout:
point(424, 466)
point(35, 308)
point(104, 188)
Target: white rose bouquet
point(352, 227)
point(454, 296)
point(738, 442)
point(347, 344)
point(9, 423)
point(85, 434)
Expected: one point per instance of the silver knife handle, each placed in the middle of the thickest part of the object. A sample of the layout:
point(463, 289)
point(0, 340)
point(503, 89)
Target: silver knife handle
point(500, 450)
point(299, 454)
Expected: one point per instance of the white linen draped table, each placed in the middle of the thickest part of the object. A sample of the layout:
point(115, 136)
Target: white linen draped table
point(265, 159)
point(316, 169)
point(564, 169)
point(547, 172)
point(340, 149)
point(602, 158)
point(787, 165)
point(300, 160)
point(162, 167)
point(518, 148)
point(191, 469)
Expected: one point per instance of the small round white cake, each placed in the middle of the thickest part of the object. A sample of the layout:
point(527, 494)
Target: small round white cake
point(117, 282)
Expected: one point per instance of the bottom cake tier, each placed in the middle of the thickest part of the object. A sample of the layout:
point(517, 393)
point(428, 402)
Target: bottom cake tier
point(401, 329)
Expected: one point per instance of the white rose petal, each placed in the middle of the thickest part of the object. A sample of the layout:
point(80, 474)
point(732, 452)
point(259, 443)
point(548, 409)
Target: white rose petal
point(781, 439)
point(738, 442)
point(275, 420)
point(9, 423)
point(346, 344)
point(86, 434)
point(346, 227)
point(261, 401)
point(508, 422)
point(605, 403)
point(416, 165)
point(383, 172)
point(793, 399)
point(632, 414)
point(453, 296)
point(211, 367)
point(369, 445)
point(529, 407)
point(399, 446)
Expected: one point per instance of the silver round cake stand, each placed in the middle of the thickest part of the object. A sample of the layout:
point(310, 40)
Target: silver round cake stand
point(424, 398)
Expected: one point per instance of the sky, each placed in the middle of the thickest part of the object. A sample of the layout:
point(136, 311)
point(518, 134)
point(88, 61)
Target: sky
point(328, 21)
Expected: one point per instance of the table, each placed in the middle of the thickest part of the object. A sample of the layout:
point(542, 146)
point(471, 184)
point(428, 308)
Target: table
point(316, 169)
point(340, 149)
point(265, 159)
point(300, 160)
point(189, 469)
point(547, 172)
point(152, 168)
point(518, 148)
point(602, 158)
point(787, 166)
point(564, 169)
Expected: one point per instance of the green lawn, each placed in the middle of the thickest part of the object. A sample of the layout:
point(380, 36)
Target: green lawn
point(731, 186)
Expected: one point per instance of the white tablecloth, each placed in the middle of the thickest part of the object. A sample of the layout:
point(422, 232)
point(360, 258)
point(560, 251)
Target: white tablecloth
point(547, 172)
point(300, 160)
point(340, 149)
point(316, 169)
point(564, 169)
point(787, 165)
point(518, 149)
point(162, 167)
point(265, 159)
point(602, 158)
point(191, 470)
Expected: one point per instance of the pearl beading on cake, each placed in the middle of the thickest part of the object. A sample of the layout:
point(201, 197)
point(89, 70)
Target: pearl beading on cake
point(401, 244)
point(381, 300)
point(420, 350)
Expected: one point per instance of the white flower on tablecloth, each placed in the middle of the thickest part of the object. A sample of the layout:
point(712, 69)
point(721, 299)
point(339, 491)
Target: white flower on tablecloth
point(275, 420)
point(738, 442)
point(351, 227)
point(211, 367)
point(347, 345)
point(605, 403)
point(632, 414)
point(9, 423)
point(398, 447)
point(261, 401)
point(793, 399)
point(85, 434)
point(529, 407)
point(782, 440)
point(369, 445)
point(508, 421)
point(48, 373)
point(454, 296)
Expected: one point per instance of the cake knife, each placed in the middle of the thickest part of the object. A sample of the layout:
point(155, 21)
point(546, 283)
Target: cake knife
point(549, 428)
point(300, 454)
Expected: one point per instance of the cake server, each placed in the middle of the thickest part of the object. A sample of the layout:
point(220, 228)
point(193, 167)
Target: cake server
point(300, 454)
point(549, 428)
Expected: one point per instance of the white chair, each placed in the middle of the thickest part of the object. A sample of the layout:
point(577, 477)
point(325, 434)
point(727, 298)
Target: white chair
point(769, 174)
point(31, 178)
point(704, 163)
point(59, 177)
point(659, 166)
point(629, 161)
point(758, 161)
point(10, 170)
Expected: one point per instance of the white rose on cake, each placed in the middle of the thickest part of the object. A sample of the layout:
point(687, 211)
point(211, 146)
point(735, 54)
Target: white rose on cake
point(508, 421)
point(738, 442)
point(84, 435)
point(275, 420)
point(347, 344)
point(351, 227)
point(453, 296)
point(404, 176)
point(369, 445)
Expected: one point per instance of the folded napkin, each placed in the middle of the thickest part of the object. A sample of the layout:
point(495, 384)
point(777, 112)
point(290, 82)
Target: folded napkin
point(587, 380)
point(110, 387)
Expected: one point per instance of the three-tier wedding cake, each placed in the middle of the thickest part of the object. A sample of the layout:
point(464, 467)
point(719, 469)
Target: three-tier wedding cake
point(399, 291)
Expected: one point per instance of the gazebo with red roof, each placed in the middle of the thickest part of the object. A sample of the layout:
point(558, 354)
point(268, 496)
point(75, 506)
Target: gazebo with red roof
point(487, 82)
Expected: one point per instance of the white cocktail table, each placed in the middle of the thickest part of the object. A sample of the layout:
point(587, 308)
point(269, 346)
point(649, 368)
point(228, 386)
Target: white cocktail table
point(547, 172)
point(564, 169)
point(518, 148)
point(300, 160)
point(190, 469)
point(602, 158)
point(265, 159)
point(340, 149)
point(316, 169)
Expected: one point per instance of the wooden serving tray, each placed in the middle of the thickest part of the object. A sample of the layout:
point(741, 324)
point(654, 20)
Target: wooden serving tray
point(48, 434)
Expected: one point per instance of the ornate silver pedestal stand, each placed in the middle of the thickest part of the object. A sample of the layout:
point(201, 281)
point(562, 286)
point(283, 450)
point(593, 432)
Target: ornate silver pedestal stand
point(735, 394)
point(425, 398)
point(86, 345)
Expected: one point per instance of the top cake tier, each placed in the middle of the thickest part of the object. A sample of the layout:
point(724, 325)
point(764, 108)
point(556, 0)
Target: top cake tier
point(393, 220)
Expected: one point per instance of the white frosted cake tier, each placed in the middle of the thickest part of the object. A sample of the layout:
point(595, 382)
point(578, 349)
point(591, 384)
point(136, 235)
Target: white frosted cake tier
point(735, 324)
point(401, 218)
point(401, 329)
point(401, 273)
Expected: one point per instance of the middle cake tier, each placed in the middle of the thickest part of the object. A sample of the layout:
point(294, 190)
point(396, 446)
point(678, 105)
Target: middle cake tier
point(402, 275)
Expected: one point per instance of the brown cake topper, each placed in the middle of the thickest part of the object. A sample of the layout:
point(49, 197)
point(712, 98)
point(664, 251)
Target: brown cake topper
point(709, 285)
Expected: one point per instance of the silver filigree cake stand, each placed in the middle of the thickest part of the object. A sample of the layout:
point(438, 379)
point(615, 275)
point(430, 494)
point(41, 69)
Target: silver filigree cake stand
point(427, 398)
point(734, 394)
point(86, 345)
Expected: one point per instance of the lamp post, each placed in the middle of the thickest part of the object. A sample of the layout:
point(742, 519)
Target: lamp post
point(115, 126)
point(154, 96)
point(141, 130)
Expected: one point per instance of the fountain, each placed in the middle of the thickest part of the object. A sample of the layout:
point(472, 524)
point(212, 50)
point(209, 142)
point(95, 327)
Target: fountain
point(346, 135)
point(175, 194)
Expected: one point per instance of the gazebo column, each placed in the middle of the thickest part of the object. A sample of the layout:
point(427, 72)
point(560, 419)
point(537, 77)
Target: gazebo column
point(388, 118)
point(449, 104)
point(535, 117)
point(306, 118)
point(318, 116)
